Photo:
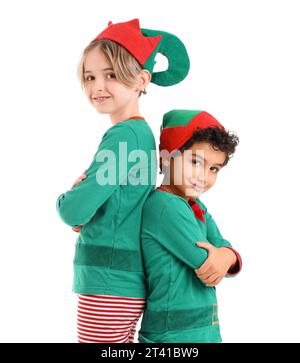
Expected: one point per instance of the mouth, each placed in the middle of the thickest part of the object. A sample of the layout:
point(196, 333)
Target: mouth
point(101, 99)
point(199, 188)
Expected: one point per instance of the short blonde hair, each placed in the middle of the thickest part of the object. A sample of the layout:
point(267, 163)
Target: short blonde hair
point(125, 66)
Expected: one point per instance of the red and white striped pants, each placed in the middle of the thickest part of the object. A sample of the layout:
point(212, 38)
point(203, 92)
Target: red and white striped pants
point(108, 319)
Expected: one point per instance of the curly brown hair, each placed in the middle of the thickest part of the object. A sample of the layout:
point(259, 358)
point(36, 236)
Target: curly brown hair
point(219, 139)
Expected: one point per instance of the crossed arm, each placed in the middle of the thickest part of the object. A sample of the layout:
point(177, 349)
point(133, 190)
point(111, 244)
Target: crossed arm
point(77, 206)
point(221, 260)
point(203, 249)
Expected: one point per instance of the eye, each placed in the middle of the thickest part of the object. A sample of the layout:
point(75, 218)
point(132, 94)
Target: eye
point(214, 169)
point(89, 78)
point(110, 76)
point(196, 162)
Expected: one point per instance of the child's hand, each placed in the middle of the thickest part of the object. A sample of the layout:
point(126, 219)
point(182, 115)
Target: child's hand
point(217, 264)
point(77, 181)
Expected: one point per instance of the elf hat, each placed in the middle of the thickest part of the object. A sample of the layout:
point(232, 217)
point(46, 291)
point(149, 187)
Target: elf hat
point(179, 125)
point(144, 44)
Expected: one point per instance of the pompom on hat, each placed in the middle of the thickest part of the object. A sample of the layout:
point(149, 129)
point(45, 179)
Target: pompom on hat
point(144, 44)
point(178, 127)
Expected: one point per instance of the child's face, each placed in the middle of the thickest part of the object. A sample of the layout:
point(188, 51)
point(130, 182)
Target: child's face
point(195, 170)
point(104, 92)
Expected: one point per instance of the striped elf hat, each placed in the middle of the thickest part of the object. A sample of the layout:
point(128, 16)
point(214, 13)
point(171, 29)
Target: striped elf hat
point(178, 127)
point(144, 44)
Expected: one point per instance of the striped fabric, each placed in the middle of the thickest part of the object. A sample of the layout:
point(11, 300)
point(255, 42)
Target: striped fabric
point(108, 319)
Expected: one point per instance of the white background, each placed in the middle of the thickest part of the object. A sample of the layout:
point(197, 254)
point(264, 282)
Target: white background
point(244, 70)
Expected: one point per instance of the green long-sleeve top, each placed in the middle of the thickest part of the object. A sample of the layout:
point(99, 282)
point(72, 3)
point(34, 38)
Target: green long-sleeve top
point(180, 308)
point(108, 252)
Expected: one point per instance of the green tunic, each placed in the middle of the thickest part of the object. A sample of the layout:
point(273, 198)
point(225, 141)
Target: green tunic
point(180, 308)
point(108, 254)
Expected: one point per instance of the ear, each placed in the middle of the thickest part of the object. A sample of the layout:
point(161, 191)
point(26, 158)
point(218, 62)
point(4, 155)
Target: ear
point(145, 78)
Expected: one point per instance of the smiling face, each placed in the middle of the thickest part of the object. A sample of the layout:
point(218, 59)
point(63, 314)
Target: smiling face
point(105, 92)
point(194, 171)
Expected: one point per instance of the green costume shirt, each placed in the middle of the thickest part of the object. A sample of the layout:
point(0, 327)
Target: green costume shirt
point(108, 254)
point(180, 308)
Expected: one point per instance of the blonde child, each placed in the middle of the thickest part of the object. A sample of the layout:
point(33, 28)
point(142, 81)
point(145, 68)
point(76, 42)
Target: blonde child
point(105, 204)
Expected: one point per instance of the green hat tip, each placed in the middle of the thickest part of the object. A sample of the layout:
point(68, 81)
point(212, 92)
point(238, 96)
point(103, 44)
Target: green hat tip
point(174, 50)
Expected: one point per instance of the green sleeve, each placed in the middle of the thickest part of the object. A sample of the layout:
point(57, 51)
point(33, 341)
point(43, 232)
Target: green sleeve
point(213, 234)
point(179, 232)
point(215, 238)
point(78, 205)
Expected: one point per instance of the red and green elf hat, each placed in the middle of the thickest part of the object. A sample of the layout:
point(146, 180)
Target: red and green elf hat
point(144, 44)
point(178, 127)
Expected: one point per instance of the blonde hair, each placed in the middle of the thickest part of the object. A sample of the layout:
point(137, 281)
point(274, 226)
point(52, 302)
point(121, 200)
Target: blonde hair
point(125, 66)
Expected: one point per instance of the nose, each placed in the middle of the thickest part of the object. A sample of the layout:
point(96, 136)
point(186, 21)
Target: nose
point(99, 84)
point(202, 175)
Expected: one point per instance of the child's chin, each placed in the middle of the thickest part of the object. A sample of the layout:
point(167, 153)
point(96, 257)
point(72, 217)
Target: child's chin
point(192, 193)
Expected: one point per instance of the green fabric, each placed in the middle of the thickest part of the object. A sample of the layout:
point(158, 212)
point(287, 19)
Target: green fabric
point(107, 255)
point(178, 118)
point(172, 48)
point(169, 235)
point(211, 335)
point(174, 320)
point(126, 260)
